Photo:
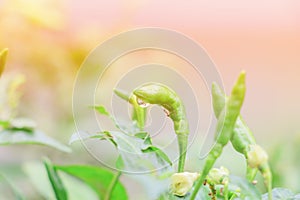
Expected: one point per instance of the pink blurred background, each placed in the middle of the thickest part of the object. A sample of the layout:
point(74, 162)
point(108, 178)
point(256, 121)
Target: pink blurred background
point(49, 39)
point(261, 37)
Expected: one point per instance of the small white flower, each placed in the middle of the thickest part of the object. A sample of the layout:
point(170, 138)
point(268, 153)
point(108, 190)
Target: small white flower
point(256, 156)
point(183, 182)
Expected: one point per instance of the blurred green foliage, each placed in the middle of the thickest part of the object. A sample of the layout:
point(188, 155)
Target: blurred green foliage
point(285, 164)
point(43, 48)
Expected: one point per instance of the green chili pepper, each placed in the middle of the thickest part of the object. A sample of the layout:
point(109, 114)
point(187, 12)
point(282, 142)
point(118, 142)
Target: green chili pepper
point(242, 139)
point(3, 55)
point(225, 127)
point(139, 111)
point(155, 93)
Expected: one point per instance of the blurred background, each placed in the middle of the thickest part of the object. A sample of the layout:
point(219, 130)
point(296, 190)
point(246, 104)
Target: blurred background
point(49, 39)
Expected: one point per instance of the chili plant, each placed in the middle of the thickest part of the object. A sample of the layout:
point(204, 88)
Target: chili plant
point(209, 183)
point(141, 153)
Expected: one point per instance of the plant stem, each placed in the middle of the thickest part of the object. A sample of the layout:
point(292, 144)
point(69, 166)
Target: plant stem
point(233, 196)
point(182, 143)
point(112, 185)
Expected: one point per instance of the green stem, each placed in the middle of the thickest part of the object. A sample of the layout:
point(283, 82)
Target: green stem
point(225, 191)
point(267, 175)
point(251, 173)
point(182, 142)
point(139, 113)
point(211, 158)
point(233, 196)
point(112, 185)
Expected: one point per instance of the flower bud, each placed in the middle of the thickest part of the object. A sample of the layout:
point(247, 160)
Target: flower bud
point(256, 156)
point(183, 182)
point(218, 176)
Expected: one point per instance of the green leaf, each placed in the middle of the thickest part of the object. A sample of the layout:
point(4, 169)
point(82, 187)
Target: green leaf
point(281, 194)
point(138, 154)
point(76, 189)
point(82, 135)
point(79, 136)
point(247, 189)
point(16, 192)
point(123, 95)
point(3, 55)
point(38, 176)
point(145, 136)
point(120, 163)
point(133, 150)
point(22, 124)
point(126, 126)
point(142, 135)
point(55, 180)
point(15, 136)
point(101, 109)
point(159, 153)
point(97, 178)
point(131, 158)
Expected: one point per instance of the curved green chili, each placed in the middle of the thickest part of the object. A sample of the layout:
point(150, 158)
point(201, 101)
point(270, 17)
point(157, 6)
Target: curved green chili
point(3, 55)
point(242, 139)
point(155, 93)
point(225, 125)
